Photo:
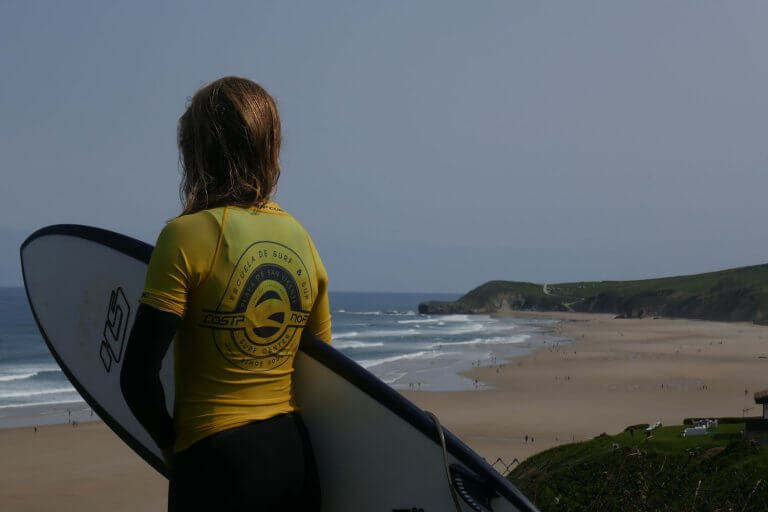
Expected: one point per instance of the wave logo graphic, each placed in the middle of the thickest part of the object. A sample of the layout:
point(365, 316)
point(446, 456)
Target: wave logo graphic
point(266, 303)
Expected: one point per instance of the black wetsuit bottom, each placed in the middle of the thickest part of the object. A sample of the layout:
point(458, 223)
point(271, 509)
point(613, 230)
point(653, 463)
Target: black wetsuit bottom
point(262, 466)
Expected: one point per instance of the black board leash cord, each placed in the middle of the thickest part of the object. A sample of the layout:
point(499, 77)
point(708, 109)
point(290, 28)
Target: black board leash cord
point(441, 435)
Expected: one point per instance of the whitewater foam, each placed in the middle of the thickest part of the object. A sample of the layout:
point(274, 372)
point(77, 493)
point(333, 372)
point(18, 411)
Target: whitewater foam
point(393, 377)
point(495, 340)
point(368, 363)
point(20, 376)
point(33, 404)
point(23, 394)
point(22, 373)
point(342, 344)
point(376, 334)
point(389, 312)
point(461, 329)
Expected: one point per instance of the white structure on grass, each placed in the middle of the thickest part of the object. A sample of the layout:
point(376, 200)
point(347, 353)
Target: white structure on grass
point(700, 428)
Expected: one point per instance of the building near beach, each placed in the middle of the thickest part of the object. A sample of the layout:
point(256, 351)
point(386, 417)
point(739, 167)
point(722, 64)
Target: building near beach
point(756, 429)
point(761, 397)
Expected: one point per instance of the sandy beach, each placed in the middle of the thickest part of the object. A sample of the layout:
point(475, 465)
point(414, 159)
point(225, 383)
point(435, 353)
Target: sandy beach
point(615, 373)
point(84, 468)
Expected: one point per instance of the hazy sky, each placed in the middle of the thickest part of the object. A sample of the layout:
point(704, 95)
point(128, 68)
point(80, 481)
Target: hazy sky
point(429, 146)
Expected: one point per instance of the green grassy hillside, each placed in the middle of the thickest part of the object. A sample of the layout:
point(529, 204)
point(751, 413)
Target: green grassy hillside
point(739, 294)
point(665, 472)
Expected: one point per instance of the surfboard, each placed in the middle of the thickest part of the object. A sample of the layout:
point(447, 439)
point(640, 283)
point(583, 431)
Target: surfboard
point(375, 450)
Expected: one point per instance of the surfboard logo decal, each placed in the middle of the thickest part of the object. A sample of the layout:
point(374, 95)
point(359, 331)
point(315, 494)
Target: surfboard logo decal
point(115, 327)
point(258, 321)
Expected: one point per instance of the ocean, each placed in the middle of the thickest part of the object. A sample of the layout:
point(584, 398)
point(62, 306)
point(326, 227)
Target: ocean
point(31, 383)
point(383, 332)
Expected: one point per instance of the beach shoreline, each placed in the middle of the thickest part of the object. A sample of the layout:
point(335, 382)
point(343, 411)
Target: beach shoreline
point(44, 414)
point(614, 373)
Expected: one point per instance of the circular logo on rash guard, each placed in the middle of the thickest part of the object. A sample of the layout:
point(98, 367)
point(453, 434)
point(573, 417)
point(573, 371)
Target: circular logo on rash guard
point(265, 304)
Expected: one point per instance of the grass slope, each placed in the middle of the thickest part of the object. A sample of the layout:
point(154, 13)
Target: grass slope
point(665, 472)
point(739, 294)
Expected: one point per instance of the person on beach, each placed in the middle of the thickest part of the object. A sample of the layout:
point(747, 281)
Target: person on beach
point(235, 280)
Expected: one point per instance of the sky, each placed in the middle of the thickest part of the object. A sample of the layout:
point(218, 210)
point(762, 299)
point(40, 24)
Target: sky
point(428, 146)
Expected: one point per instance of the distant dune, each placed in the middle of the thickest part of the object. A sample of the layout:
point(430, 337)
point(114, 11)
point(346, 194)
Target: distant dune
point(739, 294)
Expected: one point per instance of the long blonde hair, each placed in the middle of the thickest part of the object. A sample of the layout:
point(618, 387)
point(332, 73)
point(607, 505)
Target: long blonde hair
point(229, 146)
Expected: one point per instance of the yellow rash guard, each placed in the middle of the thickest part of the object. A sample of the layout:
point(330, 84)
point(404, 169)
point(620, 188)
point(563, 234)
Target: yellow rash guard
point(246, 283)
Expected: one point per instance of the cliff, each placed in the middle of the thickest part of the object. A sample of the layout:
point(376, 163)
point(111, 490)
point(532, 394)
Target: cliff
point(739, 294)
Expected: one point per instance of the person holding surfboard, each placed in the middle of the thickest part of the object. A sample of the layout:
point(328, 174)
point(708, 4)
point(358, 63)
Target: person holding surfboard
point(235, 280)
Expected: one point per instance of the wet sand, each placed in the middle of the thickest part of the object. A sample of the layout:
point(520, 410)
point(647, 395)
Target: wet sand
point(616, 373)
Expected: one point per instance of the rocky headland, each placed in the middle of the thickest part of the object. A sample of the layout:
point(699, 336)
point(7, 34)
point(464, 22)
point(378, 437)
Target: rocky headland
point(738, 295)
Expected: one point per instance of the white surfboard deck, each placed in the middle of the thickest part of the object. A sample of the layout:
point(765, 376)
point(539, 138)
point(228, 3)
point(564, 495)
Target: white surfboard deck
point(375, 450)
